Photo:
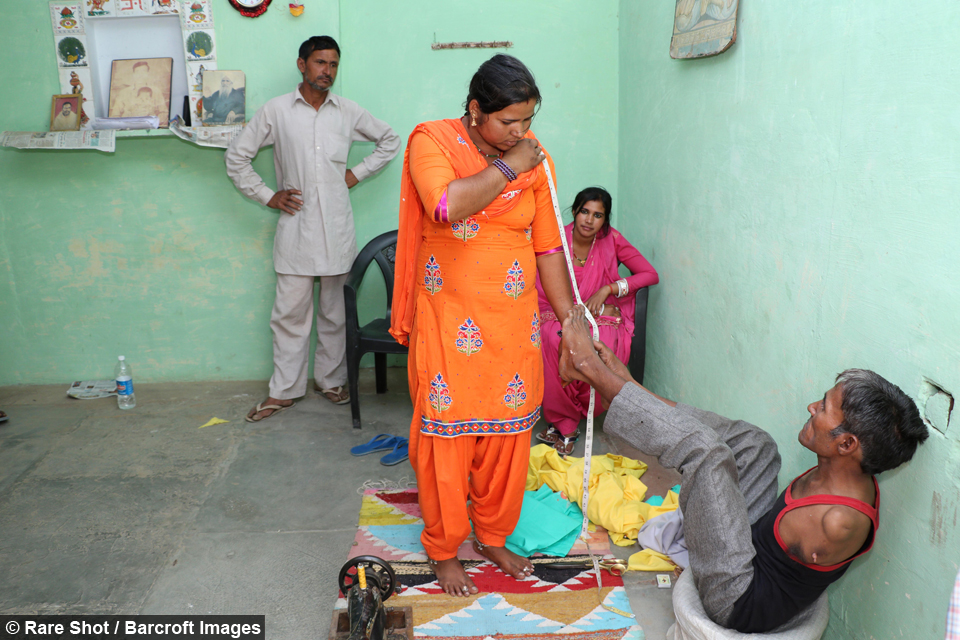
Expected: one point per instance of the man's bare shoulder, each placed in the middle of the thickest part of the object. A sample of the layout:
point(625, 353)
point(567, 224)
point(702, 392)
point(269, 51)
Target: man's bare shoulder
point(843, 525)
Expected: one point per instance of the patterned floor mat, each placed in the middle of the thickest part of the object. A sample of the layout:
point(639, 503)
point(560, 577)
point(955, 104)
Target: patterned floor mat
point(550, 602)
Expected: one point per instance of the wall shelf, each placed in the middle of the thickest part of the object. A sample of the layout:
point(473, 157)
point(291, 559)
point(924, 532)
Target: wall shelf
point(144, 133)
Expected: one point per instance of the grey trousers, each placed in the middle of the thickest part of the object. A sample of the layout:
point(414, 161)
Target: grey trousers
point(291, 321)
point(729, 470)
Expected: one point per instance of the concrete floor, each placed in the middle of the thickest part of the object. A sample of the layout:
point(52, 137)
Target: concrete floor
point(142, 511)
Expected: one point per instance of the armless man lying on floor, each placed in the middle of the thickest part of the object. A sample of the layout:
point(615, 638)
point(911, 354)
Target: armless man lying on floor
point(758, 559)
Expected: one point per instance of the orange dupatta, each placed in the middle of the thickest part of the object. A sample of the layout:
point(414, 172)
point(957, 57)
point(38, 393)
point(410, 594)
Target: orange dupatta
point(466, 161)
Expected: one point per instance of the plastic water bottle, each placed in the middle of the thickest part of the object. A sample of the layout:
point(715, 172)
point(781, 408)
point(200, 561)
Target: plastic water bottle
point(125, 396)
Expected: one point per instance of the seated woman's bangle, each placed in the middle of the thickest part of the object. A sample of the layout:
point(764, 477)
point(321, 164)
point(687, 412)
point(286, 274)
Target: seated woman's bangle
point(505, 169)
point(623, 287)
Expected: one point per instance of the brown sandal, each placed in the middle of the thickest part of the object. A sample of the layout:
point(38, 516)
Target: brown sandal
point(565, 444)
point(274, 409)
point(550, 435)
point(337, 395)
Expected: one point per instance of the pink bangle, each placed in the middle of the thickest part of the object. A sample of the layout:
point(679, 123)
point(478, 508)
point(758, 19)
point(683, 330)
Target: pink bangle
point(548, 251)
point(440, 213)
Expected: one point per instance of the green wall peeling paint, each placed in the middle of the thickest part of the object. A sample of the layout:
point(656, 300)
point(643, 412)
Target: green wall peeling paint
point(152, 253)
point(798, 196)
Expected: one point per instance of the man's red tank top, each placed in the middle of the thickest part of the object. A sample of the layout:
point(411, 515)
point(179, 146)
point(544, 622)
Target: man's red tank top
point(783, 585)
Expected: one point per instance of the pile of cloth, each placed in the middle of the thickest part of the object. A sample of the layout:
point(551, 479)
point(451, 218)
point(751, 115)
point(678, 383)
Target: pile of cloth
point(617, 503)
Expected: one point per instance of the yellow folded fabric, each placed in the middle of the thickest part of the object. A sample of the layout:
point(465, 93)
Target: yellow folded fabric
point(616, 492)
point(649, 560)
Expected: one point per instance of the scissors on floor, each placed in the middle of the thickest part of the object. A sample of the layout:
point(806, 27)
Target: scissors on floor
point(613, 566)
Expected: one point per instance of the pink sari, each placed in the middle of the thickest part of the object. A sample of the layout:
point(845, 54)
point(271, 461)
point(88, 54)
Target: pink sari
point(565, 407)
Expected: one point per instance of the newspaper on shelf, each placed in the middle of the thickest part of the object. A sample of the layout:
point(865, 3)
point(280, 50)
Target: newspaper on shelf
point(92, 389)
point(99, 140)
point(135, 122)
point(219, 136)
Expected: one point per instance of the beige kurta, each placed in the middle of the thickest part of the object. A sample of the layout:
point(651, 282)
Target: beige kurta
point(310, 148)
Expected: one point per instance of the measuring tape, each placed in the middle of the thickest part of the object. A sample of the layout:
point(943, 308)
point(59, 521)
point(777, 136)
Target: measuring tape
point(588, 442)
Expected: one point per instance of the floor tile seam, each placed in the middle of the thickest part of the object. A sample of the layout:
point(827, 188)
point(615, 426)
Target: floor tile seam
point(271, 531)
point(231, 453)
point(22, 476)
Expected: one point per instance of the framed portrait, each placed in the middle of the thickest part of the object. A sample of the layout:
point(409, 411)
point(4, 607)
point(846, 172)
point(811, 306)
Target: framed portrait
point(703, 28)
point(224, 97)
point(141, 87)
point(65, 112)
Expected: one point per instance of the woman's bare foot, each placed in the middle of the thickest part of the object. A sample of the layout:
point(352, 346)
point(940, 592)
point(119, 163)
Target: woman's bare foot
point(452, 578)
point(509, 562)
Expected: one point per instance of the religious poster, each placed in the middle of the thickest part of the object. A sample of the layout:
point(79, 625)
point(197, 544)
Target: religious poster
point(72, 51)
point(100, 8)
point(703, 28)
point(224, 100)
point(141, 87)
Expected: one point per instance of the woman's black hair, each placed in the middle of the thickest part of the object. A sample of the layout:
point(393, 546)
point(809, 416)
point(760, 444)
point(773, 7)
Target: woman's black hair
point(500, 82)
point(603, 196)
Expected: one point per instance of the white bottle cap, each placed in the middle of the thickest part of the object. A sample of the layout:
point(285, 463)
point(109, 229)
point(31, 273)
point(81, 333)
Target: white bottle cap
point(121, 358)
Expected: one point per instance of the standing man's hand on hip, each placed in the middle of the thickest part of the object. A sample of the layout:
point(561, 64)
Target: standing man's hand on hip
point(286, 202)
point(351, 179)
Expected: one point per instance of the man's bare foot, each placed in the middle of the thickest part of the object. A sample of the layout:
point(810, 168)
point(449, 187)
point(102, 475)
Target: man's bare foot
point(509, 562)
point(609, 358)
point(264, 412)
point(452, 578)
point(576, 346)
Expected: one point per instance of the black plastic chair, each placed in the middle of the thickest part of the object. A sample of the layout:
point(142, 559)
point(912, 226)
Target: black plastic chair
point(638, 348)
point(373, 336)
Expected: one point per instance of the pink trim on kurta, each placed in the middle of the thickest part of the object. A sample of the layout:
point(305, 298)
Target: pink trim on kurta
point(440, 213)
point(549, 251)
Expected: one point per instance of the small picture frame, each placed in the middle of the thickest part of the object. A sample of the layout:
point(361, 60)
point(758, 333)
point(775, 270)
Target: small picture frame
point(65, 112)
point(141, 87)
point(224, 97)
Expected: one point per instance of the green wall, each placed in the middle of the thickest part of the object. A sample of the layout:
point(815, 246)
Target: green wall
point(151, 252)
point(798, 195)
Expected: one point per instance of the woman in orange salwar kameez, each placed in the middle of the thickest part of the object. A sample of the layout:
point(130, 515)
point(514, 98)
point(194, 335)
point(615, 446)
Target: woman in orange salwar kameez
point(476, 226)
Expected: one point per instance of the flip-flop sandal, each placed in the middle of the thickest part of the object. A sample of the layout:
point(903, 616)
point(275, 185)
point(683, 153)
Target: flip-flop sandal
point(337, 395)
point(400, 453)
point(550, 435)
point(382, 442)
point(565, 444)
point(264, 407)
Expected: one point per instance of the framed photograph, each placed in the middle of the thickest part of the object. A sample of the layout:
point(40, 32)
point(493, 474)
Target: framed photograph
point(224, 97)
point(703, 28)
point(65, 112)
point(141, 87)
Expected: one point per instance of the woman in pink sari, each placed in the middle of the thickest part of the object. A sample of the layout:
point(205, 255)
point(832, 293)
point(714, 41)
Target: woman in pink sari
point(598, 250)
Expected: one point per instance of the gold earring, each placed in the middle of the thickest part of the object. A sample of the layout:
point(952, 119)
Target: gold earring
point(473, 119)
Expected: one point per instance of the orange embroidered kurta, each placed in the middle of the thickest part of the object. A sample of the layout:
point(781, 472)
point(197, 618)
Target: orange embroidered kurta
point(465, 291)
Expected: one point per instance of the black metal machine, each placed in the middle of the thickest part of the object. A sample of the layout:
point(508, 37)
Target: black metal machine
point(366, 582)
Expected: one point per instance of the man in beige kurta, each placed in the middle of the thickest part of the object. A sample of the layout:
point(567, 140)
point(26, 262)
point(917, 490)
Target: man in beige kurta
point(311, 130)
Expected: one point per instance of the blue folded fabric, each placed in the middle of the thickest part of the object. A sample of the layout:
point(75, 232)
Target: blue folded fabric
point(401, 451)
point(382, 442)
point(549, 524)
